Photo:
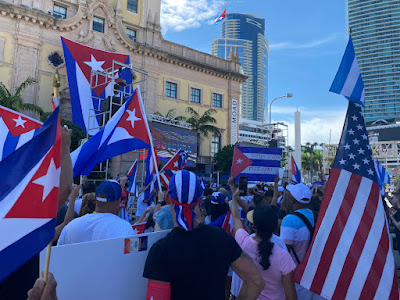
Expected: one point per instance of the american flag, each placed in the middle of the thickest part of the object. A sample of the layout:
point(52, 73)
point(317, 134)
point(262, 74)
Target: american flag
point(350, 256)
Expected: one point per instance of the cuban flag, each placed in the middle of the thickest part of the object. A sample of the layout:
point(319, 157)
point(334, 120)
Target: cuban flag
point(150, 181)
point(176, 163)
point(296, 176)
point(29, 196)
point(383, 176)
point(258, 164)
point(81, 61)
point(220, 17)
point(139, 228)
point(132, 188)
point(15, 130)
point(316, 183)
point(202, 182)
point(127, 130)
point(348, 81)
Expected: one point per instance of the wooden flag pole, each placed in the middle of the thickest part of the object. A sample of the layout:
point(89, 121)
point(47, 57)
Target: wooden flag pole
point(46, 266)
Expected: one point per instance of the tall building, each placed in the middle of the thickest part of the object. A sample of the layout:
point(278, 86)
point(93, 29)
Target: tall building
point(375, 29)
point(245, 35)
point(178, 77)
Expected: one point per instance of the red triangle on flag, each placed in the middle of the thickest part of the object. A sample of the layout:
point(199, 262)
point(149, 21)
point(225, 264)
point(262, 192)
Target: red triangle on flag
point(239, 163)
point(18, 123)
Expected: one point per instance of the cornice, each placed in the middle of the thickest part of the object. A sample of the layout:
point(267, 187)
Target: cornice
point(167, 52)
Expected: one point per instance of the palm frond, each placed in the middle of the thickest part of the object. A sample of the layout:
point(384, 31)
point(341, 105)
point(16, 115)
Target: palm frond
point(33, 108)
point(157, 113)
point(192, 112)
point(206, 129)
point(181, 118)
point(207, 119)
point(4, 92)
point(29, 81)
point(209, 112)
point(171, 113)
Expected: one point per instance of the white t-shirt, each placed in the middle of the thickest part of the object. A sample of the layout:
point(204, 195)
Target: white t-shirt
point(141, 206)
point(94, 227)
point(78, 205)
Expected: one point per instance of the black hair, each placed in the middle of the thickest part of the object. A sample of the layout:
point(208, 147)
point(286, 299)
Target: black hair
point(269, 193)
point(265, 222)
point(208, 191)
point(89, 187)
point(258, 199)
point(217, 210)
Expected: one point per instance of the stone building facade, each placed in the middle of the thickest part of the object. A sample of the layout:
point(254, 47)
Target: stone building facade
point(30, 34)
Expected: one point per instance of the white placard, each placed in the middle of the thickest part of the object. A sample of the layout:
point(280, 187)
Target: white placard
point(234, 121)
point(102, 270)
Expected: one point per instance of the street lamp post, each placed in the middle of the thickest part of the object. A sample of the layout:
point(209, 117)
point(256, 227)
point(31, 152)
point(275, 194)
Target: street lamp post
point(288, 95)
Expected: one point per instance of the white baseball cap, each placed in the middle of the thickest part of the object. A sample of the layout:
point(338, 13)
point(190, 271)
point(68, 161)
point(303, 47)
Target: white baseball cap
point(300, 192)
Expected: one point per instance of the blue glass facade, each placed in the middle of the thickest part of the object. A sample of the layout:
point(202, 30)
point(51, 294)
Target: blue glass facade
point(375, 30)
point(244, 33)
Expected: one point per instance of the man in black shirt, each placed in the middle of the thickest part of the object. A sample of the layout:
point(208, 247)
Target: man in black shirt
point(192, 261)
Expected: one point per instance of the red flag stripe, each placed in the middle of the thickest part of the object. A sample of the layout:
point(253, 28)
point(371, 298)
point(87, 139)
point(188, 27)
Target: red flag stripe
point(330, 187)
point(386, 281)
point(335, 199)
point(356, 247)
point(336, 232)
point(394, 293)
point(371, 284)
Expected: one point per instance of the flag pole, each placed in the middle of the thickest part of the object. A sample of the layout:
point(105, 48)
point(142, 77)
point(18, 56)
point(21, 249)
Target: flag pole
point(150, 137)
point(46, 266)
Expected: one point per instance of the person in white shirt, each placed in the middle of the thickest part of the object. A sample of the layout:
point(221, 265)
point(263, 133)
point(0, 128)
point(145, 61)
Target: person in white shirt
point(103, 223)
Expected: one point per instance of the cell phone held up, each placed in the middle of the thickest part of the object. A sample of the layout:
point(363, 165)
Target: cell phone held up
point(243, 185)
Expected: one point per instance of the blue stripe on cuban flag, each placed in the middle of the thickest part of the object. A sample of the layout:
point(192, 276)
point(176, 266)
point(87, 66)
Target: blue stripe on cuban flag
point(82, 103)
point(29, 235)
point(383, 176)
point(348, 81)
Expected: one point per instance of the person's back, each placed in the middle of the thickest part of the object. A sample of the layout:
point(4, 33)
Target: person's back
point(102, 223)
point(281, 263)
point(94, 227)
point(195, 262)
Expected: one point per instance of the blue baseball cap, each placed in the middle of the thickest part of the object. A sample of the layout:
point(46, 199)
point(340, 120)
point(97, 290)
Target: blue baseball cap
point(109, 188)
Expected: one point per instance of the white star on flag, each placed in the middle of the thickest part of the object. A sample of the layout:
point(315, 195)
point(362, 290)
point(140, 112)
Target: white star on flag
point(176, 164)
point(94, 64)
point(19, 122)
point(351, 132)
point(50, 180)
point(356, 166)
point(351, 156)
point(347, 147)
point(132, 117)
point(370, 172)
point(360, 127)
point(361, 151)
point(355, 118)
point(342, 161)
point(366, 162)
point(239, 161)
point(135, 231)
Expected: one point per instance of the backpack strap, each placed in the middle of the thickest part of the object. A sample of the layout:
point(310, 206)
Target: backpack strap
point(306, 222)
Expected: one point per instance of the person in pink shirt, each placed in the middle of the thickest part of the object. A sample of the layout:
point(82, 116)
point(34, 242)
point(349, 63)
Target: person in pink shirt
point(274, 263)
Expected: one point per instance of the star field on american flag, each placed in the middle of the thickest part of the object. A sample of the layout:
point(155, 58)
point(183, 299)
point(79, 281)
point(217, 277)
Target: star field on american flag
point(354, 153)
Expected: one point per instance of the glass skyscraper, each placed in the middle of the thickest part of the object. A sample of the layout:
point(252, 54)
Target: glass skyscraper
point(375, 30)
point(245, 33)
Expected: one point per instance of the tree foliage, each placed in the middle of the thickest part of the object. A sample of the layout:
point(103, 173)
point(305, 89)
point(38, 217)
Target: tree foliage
point(311, 159)
point(223, 158)
point(15, 101)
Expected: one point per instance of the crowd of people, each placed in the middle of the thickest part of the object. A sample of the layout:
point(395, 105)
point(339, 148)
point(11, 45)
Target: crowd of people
point(224, 243)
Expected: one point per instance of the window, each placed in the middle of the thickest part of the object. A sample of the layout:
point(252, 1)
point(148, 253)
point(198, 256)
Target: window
point(171, 89)
point(98, 24)
point(215, 144)
point(195, 95)
point(59, 12)
point(217, 100)
point(132, 5)
point(131, 34)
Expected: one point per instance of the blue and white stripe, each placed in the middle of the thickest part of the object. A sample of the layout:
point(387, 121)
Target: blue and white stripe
point(348, 81)
point(184, 188)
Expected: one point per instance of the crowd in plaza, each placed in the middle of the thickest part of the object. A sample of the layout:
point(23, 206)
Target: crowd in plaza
point(223, 243)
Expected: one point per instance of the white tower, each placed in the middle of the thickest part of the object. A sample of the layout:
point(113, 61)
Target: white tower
point(297, 140)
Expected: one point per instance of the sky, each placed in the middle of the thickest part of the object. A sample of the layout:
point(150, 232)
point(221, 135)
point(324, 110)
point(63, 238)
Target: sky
point(306, 43)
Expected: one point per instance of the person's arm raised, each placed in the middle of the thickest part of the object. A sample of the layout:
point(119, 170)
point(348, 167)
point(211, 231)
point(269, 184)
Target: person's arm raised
point(237, 223)
point(253, 283)
point(66, 174)
point(274, 201)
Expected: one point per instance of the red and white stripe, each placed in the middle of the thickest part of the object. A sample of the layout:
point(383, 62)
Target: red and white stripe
point(350, 256)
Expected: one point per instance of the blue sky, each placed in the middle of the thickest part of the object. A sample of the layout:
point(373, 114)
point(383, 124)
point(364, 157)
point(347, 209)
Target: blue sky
point(306, 39)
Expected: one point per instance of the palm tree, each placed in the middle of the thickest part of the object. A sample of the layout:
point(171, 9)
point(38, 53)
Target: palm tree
point(170, 115)
point(15, 101)
point(202, 125)
point(311, 159)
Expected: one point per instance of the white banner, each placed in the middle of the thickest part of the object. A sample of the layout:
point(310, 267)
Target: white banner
point(234, 121)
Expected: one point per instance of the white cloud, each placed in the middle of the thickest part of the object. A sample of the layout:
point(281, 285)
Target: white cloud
point(178, 15)
point(312, 44)
point(316, 124)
